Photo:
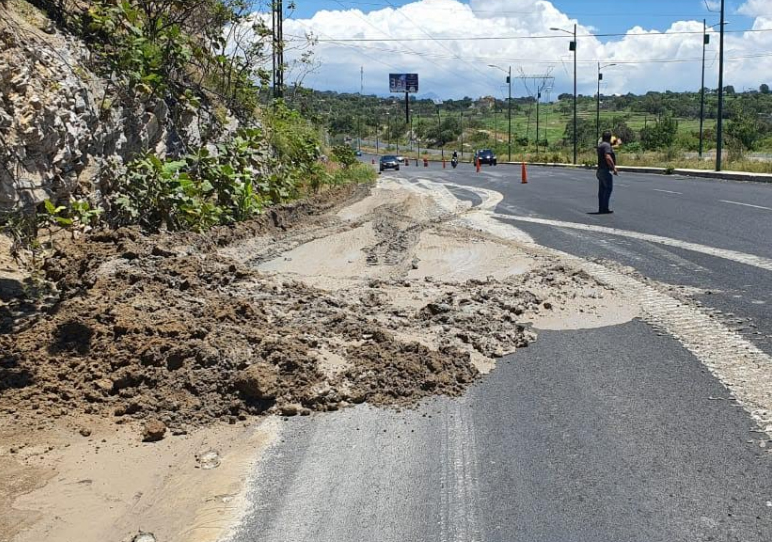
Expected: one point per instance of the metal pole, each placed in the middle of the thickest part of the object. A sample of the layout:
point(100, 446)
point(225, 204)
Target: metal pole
point(597, 107)
point(412, 135)
point(702, 85)
point(538, 99)
point(462, 135)
point(377, 142)
point(439, 131)
point(388, 132)
point(509, 113)
point(720, 126)
point(575, 134)
point(418, 145)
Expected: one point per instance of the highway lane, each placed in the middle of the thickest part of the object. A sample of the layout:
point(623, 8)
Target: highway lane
point(618, 433)
point(582, 437)
point(684, 209)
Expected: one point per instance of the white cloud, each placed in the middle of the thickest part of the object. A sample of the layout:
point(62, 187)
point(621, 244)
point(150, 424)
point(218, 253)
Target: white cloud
point(756, 8)
point(455, 68)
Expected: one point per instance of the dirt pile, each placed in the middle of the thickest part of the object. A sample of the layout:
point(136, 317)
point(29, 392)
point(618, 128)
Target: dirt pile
point(184, 329)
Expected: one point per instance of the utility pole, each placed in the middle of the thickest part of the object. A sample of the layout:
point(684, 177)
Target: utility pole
point(361, 80)
point(278, 49)
point(705, 41)
point(439, 131)
point(572, 47)
point(538, 99)
point(509, 112)
point(597, 110)
point(462, 135)
point(377, 142)
point(720, 126)
point(417, 142)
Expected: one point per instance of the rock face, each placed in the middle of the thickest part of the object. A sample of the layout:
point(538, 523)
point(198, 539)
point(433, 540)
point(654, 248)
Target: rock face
point(61, 126)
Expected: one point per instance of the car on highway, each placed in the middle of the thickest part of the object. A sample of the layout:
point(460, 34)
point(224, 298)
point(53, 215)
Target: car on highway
point(389, 162)
point(485, 156)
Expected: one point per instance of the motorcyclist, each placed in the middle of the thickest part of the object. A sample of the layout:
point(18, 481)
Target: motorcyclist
point(454, 159)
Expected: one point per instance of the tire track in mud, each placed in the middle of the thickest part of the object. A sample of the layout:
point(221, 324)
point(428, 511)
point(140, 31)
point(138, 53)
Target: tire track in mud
point(743, 368)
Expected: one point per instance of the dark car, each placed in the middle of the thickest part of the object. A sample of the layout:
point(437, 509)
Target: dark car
point(389, 162)
point(486, 156)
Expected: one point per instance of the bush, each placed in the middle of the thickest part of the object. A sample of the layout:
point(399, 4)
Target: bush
point(344, 155)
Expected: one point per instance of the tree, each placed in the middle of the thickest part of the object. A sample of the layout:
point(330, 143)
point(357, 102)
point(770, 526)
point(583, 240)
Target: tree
point(745, 130)
point(764, 88)
point(660, 135)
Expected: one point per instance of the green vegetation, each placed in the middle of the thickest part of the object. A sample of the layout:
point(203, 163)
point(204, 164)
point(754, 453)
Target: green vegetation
point(657, 128)
point(191, 55)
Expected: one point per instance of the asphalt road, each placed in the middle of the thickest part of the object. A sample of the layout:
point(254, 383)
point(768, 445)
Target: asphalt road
point(610, 434)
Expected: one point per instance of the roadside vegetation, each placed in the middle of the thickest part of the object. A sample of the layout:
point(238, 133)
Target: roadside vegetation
point(658, 129)
point(205, 59)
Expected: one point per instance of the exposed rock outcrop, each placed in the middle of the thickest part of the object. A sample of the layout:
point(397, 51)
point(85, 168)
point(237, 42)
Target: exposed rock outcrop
point(61, 125)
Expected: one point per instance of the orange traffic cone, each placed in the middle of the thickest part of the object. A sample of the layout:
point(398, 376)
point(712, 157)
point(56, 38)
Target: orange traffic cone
point(478, 165)
point(443, 163)
point(524, 173)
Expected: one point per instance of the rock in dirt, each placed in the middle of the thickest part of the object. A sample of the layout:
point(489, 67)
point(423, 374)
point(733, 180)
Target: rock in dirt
point(85, 432)
point(153, 430)
point(258, 382)
point(291, 409)
point(144, 537)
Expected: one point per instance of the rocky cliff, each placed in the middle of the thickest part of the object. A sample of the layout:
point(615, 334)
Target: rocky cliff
point(62, 127)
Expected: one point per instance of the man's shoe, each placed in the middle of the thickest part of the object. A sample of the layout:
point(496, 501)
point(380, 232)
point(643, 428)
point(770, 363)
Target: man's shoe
point(606, 212)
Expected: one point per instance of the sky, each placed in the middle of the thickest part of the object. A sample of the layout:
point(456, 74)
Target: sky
point(451, 44)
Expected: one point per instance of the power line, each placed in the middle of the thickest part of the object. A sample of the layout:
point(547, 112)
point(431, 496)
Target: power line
point(539, 37)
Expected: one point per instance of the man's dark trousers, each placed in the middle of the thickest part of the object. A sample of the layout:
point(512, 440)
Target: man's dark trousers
point(605, 186)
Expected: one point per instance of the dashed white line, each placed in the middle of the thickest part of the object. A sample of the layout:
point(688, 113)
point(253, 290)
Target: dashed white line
point(668, 191)
point(746, 204)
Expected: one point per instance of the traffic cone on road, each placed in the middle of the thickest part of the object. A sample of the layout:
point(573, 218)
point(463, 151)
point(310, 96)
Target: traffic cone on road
point(443, 163)
point(524, 173)
point(478, 165)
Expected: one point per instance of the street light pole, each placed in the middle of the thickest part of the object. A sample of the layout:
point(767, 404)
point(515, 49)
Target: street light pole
point(705, 41)
point(720, 126)
point(572, 47)
point(412, 135)
point(462, 135)
point(597, 108)
point(377, 136)
point(439, 131)
point(509, 113)
point(575, 45)
point(509, 106)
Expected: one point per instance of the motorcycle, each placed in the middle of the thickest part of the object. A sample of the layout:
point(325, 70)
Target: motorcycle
point(454, 162)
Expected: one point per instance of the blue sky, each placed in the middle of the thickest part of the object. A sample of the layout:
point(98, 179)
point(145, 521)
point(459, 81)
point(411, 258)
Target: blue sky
point(607, 16)
point(453, 44)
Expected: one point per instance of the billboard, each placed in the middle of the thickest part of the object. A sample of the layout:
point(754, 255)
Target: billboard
point(403, 82)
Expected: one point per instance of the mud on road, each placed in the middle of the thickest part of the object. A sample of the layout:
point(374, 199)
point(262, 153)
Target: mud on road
point(384, 301)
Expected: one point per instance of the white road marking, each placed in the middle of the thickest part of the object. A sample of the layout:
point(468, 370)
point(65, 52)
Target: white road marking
point(733, 255)
point(739, 364)
point(746, 204)
point(668, 191)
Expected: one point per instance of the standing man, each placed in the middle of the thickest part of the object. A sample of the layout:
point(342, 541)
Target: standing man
point(607, 164)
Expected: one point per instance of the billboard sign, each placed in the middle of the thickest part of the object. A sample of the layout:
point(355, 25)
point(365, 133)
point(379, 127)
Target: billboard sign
point(403, 82)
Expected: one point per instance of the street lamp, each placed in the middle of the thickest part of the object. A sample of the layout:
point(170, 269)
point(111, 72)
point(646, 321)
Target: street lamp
point(705, 42)
point(439, 131)
point(411, 131)
point(719, 128)
point(509, 105)
point(572, 47)
point(597, 110)
point(388, 132)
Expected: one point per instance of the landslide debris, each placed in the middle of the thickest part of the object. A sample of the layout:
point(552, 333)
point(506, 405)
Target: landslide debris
point(171, 329)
